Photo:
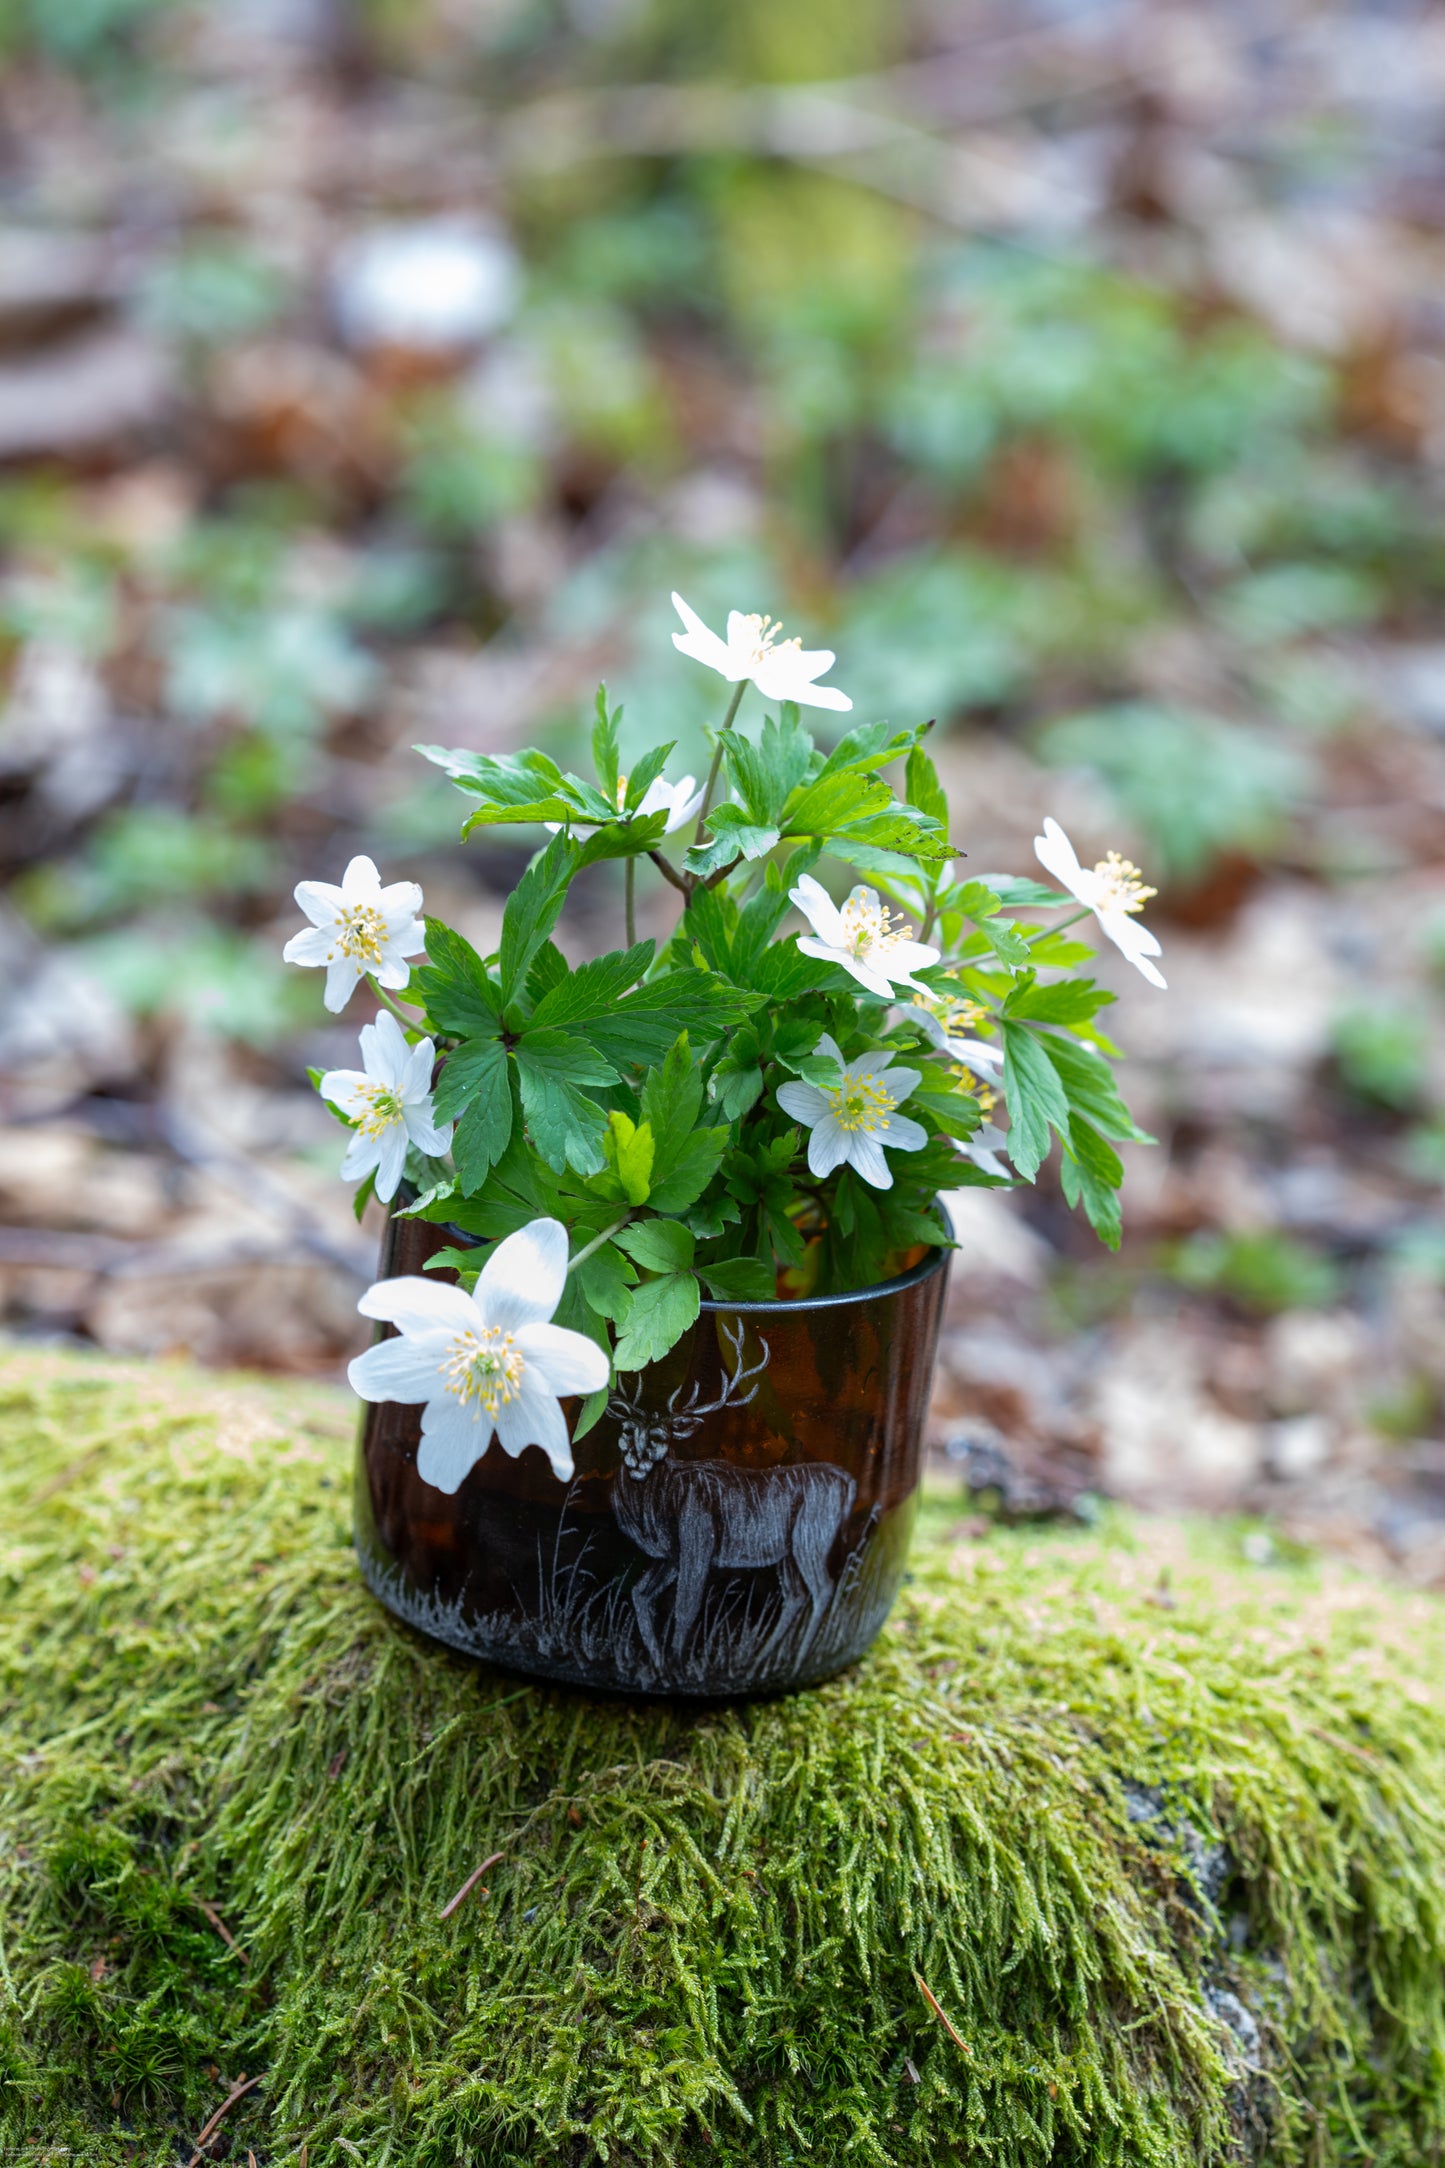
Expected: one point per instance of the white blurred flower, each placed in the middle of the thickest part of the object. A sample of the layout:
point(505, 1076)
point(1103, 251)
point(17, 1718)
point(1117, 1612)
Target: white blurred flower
point(852, 1122)
point(983, 1148)
point(389, 1099)
point(682, 802)
point(358, 928)
point(781, 669)
point(489, 1362)
point(861, 938)
point(1113, 890)
point(940, 1021)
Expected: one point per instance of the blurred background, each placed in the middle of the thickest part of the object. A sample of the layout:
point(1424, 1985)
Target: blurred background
point(369, 373)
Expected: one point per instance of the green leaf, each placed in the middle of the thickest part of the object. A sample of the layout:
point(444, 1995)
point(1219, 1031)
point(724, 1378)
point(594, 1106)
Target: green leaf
point(549, 968)
point(630, 1150)
point(705, 859)
point(923, 787)
point(1088, 1083)
point(642, 1027)
point(740, 1279)
point(1016, 893)
point(1035, 1098)
point(591, 1410)
point(645, 774)
point(593, 989)
point(475, 1090)
point(658, 1245)
point(466, 1264)
point(1007, 943)
point(607, 1279)
point(671, 1103)
point(567, 1127)
point(460, 996)
point(365, 1191)
point(662, 1311)
point(604, 745)
point(754, 839)
point(1071, 1001)
point(1099, 1171)
point(532, 910)
point(691, 1171)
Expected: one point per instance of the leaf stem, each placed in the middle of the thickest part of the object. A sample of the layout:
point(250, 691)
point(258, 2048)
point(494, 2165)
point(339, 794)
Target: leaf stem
point(629, 900)
point(669, 872)
point(717, 752)
point(1072, 920)
point(598, 1240)
point(387, 1003)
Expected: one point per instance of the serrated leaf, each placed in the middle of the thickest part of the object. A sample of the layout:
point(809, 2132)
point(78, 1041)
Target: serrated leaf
point(567, 1127)
point(923, 787)
point(641, 1027)
point(475, 1090)
point(460, 996)
point(658, 1245)
point(691, 1171)
point(1035, 1098)
point(593, 989)
point(532, 911)
point(645, 774)
point(1088, 1084)
point(740, 1279)
point(662, 1311)
point(604, 744)
point(607, 1279)
point(630, 1150)
point(1070, 1001)
point(671, 1101)
point(1099, 1171)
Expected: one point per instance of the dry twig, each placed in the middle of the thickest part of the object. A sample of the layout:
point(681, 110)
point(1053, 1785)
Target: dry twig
point(469, 1885)
point(941, 2014)
point(242, 2085)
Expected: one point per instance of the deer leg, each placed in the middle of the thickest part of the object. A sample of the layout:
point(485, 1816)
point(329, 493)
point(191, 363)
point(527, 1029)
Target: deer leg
point(814, 1531)
point(646, 1590)
point(696, 1548)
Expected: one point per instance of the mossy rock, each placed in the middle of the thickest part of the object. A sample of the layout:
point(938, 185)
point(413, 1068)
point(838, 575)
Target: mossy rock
point(1076, 1868)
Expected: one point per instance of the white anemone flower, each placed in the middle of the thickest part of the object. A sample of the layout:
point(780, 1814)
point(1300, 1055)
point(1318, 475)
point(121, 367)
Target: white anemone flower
point(850, 1124)
point(489, 1362)
point(983, 1149)
point(972, 1053)
point(1113, 890)
point(358, 928)
point(681, 802)
point(781, 669)
point(389, 1099)
point(861, 937)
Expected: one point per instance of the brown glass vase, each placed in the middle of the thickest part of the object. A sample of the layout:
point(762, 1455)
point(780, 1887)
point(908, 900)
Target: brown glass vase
point(738, 1521)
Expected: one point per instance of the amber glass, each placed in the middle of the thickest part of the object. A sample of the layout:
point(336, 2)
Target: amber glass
point(738, 1522)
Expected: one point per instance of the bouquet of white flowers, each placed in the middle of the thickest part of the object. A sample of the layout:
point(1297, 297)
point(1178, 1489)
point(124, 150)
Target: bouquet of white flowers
point(754, 1111)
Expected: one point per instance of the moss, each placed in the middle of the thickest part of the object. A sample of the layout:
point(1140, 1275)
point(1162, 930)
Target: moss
point(1170, 1862)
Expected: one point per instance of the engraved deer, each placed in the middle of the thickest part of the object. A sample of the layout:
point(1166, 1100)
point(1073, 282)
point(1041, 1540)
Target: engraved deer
point(690, 1517)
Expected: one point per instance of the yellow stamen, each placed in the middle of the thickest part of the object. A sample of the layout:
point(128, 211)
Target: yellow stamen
point(360, 932)
point(864, 1103)
point(382, 1110)
point(764, 633)
point(868, 927)
point(1120, 885)
point(484, 1365)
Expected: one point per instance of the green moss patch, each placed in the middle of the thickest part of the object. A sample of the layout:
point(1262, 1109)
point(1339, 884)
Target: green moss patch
point(1076, 1868)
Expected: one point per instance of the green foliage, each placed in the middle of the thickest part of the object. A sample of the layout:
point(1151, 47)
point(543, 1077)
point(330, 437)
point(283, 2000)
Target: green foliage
point(1193, 784)
point(1264, 1272)
point(1382, 1053)
point(1081, 1820)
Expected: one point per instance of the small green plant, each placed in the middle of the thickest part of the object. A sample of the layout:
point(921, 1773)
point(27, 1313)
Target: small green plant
point(1265, 1271)
point(1382, 1055)
point(748, 1112)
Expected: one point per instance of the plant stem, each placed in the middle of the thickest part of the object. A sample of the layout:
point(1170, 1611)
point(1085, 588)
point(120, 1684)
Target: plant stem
point(717, 752)
point(1072, 920)
point(629, 900)
point(598, 1240)
point(669, 872)
point(387, 1003)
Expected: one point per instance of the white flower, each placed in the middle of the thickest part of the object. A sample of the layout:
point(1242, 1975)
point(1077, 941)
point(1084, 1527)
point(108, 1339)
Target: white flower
point(358, 928)
point(861, 938)
point(973, 1053)
point(1113, 890)
point(850, 1123)
point(485, 1362)
point(682, 802)
point(781, 669)
point(983, 1148)
point(389, 1099)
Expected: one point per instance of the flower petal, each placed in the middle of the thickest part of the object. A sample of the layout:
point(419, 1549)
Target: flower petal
point(563, 1361)
point(900, 1133)
point(898, 1083)
point(1136, 942)
point(349, 1089)
point(808, 696)
point(426, 1132)
point(521, 1282)
point(699, 642)
point(400, 906)
point(343, 976)
point(404, 1370)
point(421, 1305)
point(322, 901)
point(362, 1154)
point(390, 1052)
point(391, 1161)
point(361, 883)
point(453, 1440)
point(819, 909)
point(534, 1418)
point(871, 976)
point(912, 955)
point(829, 1145)
point(392, 971)
point(807, 1103)
point(312, 946)
point(1056, 854)
point(866, 1158)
